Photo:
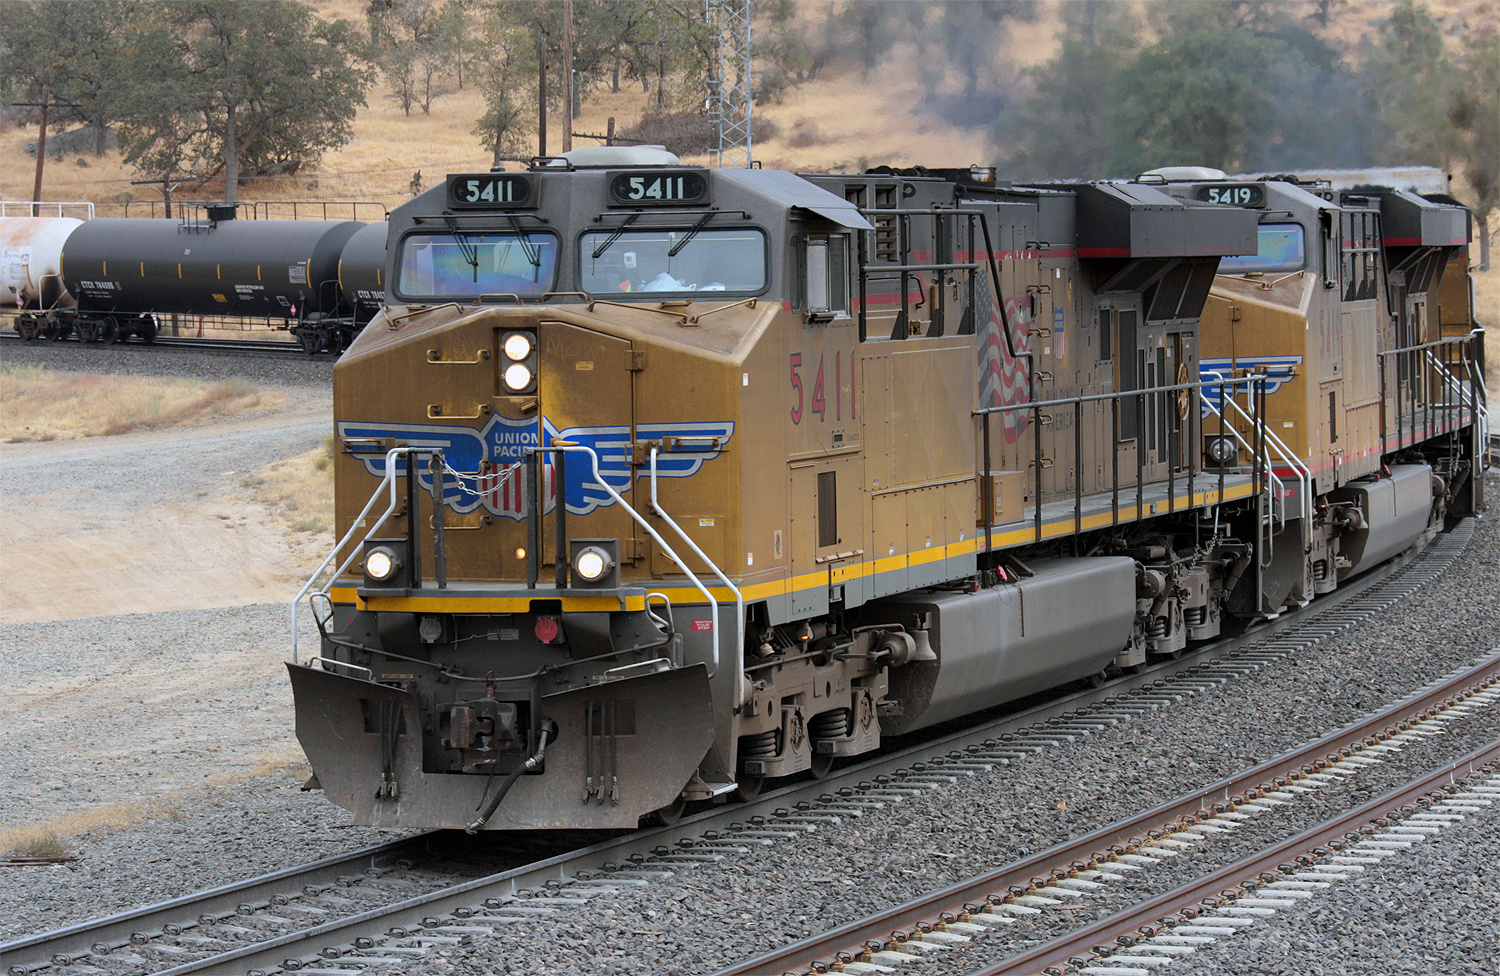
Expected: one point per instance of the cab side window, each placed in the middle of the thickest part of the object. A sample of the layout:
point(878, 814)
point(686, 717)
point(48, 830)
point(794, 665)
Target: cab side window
point(825, 276)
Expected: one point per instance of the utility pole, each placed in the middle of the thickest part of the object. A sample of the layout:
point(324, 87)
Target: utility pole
point(541, 94)
point(41, 141)
point(567, 57)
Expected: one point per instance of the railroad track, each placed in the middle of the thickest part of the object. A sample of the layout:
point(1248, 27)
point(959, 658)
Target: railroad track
point(1217, 902)
point(261, 348)
point(300, 920)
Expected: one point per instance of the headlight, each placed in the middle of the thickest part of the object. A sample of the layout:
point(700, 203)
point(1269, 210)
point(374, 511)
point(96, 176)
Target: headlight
point(381, 564)
point(517, 346)
point(592, 563)
point(1222, 450)
point(517, 377)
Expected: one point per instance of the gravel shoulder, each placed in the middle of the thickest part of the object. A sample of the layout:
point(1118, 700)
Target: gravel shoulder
point(144, 619)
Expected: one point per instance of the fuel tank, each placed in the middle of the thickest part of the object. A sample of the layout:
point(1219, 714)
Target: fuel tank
point(1066, 621)
point(266, 268)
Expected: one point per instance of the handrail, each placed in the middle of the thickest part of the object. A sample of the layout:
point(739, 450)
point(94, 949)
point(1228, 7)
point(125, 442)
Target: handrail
point(739, 598)
point(1114, 397)
point(33, 207)
point(610, 489)
point(1304, 472)
point(389, 479)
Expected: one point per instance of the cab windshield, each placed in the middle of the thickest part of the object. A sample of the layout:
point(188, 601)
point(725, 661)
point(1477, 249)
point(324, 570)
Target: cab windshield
point(1281, 248)
point(673, 261)
point(462, 265)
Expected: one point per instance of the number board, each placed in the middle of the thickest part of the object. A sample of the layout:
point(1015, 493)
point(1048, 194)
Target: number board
point(489, 190)
point(1234, 194)
point(645, 187)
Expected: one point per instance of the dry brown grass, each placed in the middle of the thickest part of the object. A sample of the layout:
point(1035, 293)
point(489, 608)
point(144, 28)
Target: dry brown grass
point(27, 840)
point(43, 405)
point(299, 490)
point(33, 842)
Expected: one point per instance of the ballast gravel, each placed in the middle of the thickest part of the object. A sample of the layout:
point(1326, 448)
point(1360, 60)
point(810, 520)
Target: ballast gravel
point(707, 915)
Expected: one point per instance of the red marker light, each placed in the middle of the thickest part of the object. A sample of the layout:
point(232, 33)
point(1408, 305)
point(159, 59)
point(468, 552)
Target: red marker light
point(547, 629)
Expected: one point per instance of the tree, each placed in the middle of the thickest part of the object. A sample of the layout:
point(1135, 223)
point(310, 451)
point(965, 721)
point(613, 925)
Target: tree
point(83, 52)
point(421, 44)
point(248, 87)
point(1439, 109)
point(1410, 79)
point(504, 70)
point(1064, 128)
point(1235, 85)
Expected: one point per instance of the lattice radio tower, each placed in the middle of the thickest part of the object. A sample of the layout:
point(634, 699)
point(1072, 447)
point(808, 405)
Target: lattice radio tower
point(729, 99)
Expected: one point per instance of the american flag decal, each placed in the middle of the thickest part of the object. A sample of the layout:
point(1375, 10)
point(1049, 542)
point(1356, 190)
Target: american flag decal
point(1002, 378)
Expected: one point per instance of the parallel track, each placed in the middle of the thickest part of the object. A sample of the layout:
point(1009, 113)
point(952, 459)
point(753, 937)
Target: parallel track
point(261, 348)
point(199, 936)
point(1139, 837)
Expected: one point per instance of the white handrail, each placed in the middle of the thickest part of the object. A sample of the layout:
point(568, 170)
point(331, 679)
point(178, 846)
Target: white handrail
point(389, 479)
point(1304, 473)
point(739, 598)
point(599, 479)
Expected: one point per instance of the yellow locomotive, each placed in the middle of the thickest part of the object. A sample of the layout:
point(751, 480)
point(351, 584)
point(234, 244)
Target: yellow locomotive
point(655, 482)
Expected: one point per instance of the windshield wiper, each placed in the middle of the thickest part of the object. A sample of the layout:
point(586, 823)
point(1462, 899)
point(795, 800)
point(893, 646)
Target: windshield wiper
point(532, 252)
point(690, 234)
point(615, 236)
point(469, 251)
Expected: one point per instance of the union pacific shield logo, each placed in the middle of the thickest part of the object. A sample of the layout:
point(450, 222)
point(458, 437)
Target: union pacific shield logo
point(485, 464)
point(1278, 371)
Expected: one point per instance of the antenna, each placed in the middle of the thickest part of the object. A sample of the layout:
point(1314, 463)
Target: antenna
point(729, 98)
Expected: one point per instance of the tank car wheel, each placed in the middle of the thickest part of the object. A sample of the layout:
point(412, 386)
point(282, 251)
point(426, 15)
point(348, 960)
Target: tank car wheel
point(667, 815)
point(311, 342)
point(148, 331)
point(86, 332)
point(51, 332)
point(109, 330)
point(747, 787)
point(26, 329)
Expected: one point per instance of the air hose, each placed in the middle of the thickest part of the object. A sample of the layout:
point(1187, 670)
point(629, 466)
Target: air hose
point(515, 774)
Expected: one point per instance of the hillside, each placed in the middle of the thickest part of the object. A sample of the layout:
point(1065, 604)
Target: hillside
point(841, 121)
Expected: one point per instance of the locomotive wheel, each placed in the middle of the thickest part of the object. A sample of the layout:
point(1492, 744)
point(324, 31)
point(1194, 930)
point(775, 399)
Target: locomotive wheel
point(109, 330)
point(747, 787)
point(667, 815)
point(1096, 680)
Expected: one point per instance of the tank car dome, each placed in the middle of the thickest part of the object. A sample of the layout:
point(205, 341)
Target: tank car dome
point(1185, 173)
point(619, 156)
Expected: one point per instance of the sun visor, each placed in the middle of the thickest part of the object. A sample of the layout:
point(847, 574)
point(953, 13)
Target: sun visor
point(789, 189)
point(845, 216)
